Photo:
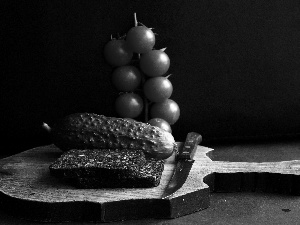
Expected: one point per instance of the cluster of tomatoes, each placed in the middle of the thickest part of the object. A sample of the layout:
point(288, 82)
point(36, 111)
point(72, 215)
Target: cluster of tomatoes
point(149, 75)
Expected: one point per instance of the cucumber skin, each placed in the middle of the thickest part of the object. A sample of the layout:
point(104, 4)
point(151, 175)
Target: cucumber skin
point(93, 131)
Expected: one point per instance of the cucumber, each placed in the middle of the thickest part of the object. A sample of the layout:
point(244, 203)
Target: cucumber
point(92, 131)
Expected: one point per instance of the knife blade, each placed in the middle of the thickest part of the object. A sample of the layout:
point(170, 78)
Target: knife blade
point(184, 163)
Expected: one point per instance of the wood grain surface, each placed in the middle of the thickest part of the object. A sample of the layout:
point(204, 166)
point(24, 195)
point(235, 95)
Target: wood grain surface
point(29, 191)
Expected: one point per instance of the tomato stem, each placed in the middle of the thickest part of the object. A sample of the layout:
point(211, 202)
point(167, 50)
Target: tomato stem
point(146, 104)
point(168, 76)
point(135, 20)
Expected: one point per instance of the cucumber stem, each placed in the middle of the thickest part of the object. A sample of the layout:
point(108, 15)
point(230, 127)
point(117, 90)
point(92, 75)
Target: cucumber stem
point(46, 127)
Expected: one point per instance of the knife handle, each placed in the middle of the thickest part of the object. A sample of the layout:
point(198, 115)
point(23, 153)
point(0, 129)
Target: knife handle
point(190, 146)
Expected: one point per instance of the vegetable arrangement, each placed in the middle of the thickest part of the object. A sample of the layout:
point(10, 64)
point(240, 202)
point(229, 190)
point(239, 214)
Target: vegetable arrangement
point(107, 152)
point(143, 86)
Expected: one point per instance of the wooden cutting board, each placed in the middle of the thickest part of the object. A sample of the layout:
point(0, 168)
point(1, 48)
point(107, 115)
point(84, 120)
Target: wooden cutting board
point(27, 189)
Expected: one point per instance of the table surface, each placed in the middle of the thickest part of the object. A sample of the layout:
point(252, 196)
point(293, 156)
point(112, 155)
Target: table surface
point(226, 208)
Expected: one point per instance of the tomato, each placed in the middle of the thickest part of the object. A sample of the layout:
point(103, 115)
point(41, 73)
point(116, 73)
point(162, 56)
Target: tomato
point(167, 110)
point(158, 89)
point(140, 39)
point(129, 105)
point(130, 119)
point(155, 63)
point(126, 78)
point(117, 53)
point(158, 122)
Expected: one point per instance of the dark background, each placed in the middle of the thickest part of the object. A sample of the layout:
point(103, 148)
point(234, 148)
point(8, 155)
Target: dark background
point(235, 64)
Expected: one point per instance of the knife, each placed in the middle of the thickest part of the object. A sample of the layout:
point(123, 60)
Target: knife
point(184, 164)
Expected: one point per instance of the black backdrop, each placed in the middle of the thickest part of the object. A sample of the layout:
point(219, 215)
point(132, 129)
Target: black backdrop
point(235, 64)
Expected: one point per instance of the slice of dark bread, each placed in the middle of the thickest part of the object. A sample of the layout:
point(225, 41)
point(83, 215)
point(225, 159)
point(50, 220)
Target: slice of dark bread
point(146, 175)
point(109, 168)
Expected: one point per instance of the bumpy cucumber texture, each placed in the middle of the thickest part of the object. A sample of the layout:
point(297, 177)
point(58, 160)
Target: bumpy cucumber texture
point(92, 131)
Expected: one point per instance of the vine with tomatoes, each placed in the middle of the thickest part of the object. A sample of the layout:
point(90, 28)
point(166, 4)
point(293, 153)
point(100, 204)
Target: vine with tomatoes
point(140, 76)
